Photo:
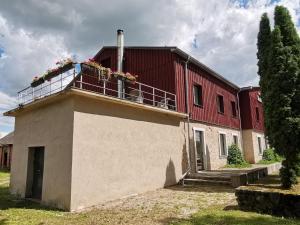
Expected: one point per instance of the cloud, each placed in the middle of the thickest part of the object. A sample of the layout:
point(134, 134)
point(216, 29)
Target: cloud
point(6, 123)
point(222, 34)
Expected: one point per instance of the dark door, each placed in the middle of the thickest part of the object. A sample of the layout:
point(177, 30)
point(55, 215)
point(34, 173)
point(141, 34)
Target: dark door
point(38, 169)
point(199, 144)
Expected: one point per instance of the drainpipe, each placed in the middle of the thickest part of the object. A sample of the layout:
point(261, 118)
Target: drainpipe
point(241, 131)
point(187, 109)
point(120, 45)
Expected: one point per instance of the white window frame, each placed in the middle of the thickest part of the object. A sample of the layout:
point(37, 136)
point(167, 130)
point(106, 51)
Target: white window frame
point(262, 150)
point(195, 150)
point(226, 148)
point(238, 139)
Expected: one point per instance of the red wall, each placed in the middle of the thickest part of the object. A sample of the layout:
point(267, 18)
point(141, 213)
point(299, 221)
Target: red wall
point(211, 87)
point(163, 69)
point(249, 102)
point(154, 67)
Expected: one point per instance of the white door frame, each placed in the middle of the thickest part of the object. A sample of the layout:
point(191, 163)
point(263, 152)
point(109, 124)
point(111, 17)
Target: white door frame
point(204, 148)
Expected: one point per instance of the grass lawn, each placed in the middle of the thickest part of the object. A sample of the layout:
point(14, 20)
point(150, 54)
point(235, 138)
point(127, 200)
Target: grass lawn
point(176, 205)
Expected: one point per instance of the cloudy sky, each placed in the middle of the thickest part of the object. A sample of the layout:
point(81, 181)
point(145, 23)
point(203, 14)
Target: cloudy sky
point(34, 34)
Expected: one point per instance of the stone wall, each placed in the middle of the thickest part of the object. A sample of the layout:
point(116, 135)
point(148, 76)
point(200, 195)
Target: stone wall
point(212, 157)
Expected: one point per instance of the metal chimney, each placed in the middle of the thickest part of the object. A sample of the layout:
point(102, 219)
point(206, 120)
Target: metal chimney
point(120, 45)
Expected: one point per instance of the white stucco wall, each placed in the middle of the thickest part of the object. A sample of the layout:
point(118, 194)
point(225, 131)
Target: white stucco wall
point(48, 125)
point(250, 143)
point(212, 154)
point(120, 150)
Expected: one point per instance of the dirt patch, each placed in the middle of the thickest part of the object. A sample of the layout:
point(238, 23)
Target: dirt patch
point(160, 206)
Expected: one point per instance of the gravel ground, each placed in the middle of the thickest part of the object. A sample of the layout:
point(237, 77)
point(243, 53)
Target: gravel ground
point(161, 206)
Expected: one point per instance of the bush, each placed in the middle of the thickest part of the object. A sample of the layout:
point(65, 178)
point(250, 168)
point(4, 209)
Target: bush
point(270, 155)
point(235, 156)
point(288, 175)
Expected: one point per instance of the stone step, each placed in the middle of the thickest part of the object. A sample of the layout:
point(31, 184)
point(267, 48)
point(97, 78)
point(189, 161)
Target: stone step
point(209, 177)
point(189, 181)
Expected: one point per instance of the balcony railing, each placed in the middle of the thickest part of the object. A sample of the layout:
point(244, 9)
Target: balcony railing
point(92, 81)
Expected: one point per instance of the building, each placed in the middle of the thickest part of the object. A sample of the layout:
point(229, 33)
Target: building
point(6, 148)
point(254, 141)
point(85, 137)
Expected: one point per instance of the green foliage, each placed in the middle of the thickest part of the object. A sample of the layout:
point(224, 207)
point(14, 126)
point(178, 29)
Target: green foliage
point(235, 156)
point(270, 155)
point(287, 175)
point(279, 69)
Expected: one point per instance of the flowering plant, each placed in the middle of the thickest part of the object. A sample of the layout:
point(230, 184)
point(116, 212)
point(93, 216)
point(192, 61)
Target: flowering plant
point(126, 76)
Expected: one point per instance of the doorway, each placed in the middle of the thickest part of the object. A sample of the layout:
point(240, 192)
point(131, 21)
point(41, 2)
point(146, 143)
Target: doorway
point(199, 149)
point(35, 173)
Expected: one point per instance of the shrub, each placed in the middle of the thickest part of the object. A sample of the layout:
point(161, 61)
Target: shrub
point(270, 155)
point(287, 175)
point(235, 156)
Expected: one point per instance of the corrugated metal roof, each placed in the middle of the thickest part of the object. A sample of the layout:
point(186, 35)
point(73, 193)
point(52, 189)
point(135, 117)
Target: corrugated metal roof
point(8, 139)
point(182, 54)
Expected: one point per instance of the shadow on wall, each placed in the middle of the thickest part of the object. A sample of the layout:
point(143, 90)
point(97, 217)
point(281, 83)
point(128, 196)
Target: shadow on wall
point(184, 159)
point(170, 174)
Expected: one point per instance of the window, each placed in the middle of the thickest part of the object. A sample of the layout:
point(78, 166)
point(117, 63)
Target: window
point(233, 108)
point(222, 143)
point(235, 139)
point(220, 103)
point(259, 145)
point(198, 95)
point(257, 113)
point(106, 62)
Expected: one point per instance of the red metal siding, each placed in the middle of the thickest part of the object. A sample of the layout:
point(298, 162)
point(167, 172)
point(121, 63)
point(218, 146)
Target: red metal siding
point(163, 69)
point(154, 67)
point(211, 87)
point(249, 102)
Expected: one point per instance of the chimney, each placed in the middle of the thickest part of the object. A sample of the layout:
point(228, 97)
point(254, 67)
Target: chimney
point(120, 45)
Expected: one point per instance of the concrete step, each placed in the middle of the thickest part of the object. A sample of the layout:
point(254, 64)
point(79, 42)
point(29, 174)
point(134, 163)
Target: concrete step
point(209, 177)
point(191, 181)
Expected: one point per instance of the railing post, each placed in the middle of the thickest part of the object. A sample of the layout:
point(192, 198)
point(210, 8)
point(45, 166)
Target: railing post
point(80, 86)
point(104, 87)
point(153, 95)
point(61, 81)
point(165, 96)
point(74, 75)
point(50, 85)
point(41, 90)
point(140, 90)
point(175, 103)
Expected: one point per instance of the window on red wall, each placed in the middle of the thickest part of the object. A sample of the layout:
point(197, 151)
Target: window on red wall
point(257, 114)
point(220, 103)
point(233, 109)
point(198, 95)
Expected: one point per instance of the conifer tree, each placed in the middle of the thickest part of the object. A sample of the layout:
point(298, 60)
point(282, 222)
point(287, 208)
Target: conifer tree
point(279, 69)
point(281, 88)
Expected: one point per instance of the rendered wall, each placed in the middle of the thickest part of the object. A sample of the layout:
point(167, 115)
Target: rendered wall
point(212, 157)
point(49, 125)
point(120, 150)
point(250, 143)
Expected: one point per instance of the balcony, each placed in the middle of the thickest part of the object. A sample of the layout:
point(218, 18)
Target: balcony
point(85, 77)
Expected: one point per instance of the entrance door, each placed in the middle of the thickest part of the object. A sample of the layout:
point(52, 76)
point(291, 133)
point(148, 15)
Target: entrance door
point(38, 169)
point(199, 145)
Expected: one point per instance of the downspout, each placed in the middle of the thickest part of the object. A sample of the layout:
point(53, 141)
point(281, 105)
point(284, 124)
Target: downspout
point(120, 46)
point(241, 131)
point(187, 109)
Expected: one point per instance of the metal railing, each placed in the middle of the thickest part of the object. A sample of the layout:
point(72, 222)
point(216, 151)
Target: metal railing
point(133, 91)
point(50, 87)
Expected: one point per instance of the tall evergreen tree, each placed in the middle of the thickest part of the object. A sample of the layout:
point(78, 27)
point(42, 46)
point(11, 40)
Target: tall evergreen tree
point(279, 68)
point(288, 31)
point(263, 46)
point(281, 88)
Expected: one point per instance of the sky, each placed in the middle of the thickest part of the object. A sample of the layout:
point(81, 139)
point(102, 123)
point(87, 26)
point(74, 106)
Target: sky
point(34, 34)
